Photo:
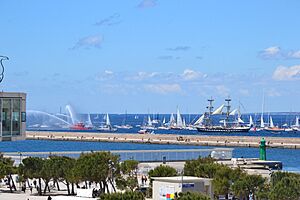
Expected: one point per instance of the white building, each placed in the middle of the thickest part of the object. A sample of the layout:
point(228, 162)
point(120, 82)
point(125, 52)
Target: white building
point(164, 188)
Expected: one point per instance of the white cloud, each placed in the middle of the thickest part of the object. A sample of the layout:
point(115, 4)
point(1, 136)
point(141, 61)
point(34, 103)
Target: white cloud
point(179, 48)
point(189, 74)
point(108, 72)
point(271, 52)
point(273, 93)
point(294, 54)
point(275, 52)
point(163, 88)
point(222, 90)
point(143, 76)
point(244, 92)
point(109, 21)
point(147, 4)
point(106, 75)
point(89, 41)
point(287, 73)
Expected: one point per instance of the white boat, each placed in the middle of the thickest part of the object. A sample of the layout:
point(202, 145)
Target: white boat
point(124, 124)
point(272, 127)
point(172, 121)
point(148, 125)
point(145, 131)
point(107, 126)
point(164, 125)
point(296, 126)
point(179, 122)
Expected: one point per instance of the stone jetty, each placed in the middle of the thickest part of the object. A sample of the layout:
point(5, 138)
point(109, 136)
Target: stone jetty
point(201, 140)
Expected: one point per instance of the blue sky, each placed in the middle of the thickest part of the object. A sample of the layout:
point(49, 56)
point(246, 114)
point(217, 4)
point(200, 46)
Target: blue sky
point(152, 55)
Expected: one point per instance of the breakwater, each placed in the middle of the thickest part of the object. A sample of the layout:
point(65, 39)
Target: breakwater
point(201, 140)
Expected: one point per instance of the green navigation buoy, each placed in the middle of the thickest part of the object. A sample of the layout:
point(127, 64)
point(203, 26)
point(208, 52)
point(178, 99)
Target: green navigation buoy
point(262, 149)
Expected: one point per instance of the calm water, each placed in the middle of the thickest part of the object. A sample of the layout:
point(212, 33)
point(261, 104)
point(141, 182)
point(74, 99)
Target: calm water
point(140, 119)
point(289, 157)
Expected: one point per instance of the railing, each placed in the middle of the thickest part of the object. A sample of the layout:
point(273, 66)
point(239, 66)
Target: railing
point(140, 155)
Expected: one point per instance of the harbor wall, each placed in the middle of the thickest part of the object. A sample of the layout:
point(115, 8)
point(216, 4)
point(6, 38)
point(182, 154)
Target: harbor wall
point(201, 140)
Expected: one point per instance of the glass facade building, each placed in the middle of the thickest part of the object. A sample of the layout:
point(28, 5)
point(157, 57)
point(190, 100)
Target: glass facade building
point(13, 116)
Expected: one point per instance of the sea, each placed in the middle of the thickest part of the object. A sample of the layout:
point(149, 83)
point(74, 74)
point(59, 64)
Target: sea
point(37, 121)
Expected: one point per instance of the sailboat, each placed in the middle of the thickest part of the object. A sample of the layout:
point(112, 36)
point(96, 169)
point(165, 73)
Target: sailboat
point(124, 124)
point(149, 125)
point(262, 124)
point(179, 123)
point(163, 125)
point(107, 125)
point(145, 129)
point(172, 121)
point(272, 127)
point(206, 124)
point(296, 127)
point(251, 124)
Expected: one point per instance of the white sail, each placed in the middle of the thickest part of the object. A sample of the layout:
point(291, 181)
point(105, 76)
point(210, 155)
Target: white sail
point(251, 121)
point(107, 120)
point(271, 122)
point(179, 119)
point(183, 123)
point(172, 120)
point(218, 110)
point(262, 124)
point(164, 120)
point(233, 112)
point(149, 121)
point(240, 120)
point(297, 122)
point(200, 120)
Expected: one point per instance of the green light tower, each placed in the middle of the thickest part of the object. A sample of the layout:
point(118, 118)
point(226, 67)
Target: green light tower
point(262, 149)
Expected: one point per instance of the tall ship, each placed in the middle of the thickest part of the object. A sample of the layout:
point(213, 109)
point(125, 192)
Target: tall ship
point(226, 124)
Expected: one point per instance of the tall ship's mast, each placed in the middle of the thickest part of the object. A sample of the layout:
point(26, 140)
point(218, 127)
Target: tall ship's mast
point(208, 114)
point(227, 111)
point(227, 126)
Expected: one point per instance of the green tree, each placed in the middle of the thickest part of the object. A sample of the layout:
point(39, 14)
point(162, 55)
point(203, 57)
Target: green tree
point(225, 179)
point(247, 184)
point(31, 167)
point(99, 167)
point(285, 186)
point(128, 175)
point(162, 171)
point(128, 195)
point(46, 174)
point(202, 167)
point(61, 169)
point(192, 196)
point(7, 169)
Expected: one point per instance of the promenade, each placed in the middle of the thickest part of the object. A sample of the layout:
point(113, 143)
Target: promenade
point(201, 140)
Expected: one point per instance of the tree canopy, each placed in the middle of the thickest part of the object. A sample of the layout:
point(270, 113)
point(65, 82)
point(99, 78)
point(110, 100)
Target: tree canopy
point(192, 196)
point(128, 195)
point(162, 171)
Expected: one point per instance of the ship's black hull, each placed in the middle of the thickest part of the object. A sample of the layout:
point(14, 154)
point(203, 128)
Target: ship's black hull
point(221, 129)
